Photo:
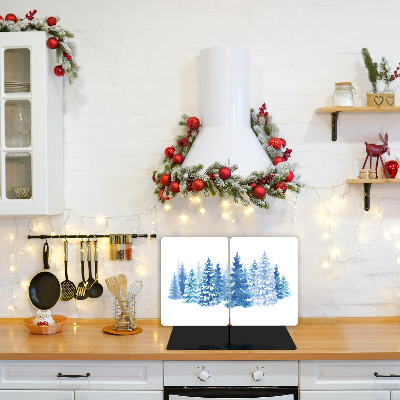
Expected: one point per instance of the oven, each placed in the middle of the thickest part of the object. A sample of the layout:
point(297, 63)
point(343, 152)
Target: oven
point(237, 380)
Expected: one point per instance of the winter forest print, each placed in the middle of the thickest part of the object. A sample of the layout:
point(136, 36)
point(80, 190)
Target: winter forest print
point(258, 284)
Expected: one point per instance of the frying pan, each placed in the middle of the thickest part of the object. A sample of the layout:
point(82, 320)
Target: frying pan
point(44, 289)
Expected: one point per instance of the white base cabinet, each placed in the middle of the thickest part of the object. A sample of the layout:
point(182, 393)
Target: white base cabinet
point(35, 395)
point(349, 380)
point(345, 395)
point(117, 395)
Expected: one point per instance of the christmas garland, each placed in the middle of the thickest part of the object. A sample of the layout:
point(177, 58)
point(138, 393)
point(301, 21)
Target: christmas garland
point(218, 178)
point(65, 48)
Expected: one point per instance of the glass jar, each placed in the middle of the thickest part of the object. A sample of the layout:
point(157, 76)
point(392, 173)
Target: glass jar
point(120, 247)
point(113, 247)
point(343, 95)
point(128, 247)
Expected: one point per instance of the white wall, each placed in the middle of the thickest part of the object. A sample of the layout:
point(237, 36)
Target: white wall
point(139, 74)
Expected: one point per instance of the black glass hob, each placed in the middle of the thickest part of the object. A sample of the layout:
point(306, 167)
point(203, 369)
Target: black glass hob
point(230, 338)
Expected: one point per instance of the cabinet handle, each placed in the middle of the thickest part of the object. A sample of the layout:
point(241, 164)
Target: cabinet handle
point(60, 375)
point(386, 376)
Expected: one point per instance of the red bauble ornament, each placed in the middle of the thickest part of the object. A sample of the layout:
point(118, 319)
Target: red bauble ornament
point(276, 143)
point(252, 184)
point(11, 17)
point(277, 160)
point(225, 173)
point(177, 158)
point(162, 196)
point(59, 71)
point(174, 187)
point(169, 151)
point(51, 21)
point(52, 43)
point(282, 186)
point(391, 168)
point(259, 192)
point(165, 179)
point(290, 177)
point(154, 179)
point(283, 142)
point(193, 123)
point(1, 18)
point(198, 185)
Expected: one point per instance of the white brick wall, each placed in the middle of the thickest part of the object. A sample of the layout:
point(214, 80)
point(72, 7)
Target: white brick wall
point(139, 74)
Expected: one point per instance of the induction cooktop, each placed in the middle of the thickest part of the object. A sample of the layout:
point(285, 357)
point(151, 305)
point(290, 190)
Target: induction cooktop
point(230, 338)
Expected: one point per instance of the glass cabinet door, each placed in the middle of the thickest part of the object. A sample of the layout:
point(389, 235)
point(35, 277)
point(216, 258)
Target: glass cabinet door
point(16, 125)
point(17, 67)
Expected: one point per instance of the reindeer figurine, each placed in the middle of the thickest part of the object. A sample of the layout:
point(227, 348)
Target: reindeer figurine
point(376, 150)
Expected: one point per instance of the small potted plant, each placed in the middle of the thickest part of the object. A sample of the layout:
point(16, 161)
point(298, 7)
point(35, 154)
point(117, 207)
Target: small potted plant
point(386, 97)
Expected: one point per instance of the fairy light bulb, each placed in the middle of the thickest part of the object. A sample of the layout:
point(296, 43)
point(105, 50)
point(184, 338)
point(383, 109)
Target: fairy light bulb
point(167, 207)
point(12, 268)
point(184, 217)
point(202, 210)
point(325, 235)
point(325, 264)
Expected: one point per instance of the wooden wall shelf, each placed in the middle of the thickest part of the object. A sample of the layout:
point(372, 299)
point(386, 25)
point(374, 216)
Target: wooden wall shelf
point(367, 187)
point(336, 110)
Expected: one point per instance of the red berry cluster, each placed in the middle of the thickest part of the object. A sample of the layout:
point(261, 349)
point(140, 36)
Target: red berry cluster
point(396, 73)
point(189, 182)
point(211, 176)
point(67, 56)
point(263, 113)
point(30, 15)
point(265, 179)
point(286, 154)
point(183, 142)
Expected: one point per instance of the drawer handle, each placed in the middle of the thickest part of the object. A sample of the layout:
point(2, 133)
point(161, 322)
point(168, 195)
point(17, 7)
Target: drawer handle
point(386, 376)
point(60, 375)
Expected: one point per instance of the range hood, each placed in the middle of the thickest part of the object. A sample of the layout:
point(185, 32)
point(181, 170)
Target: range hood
point(226, 135)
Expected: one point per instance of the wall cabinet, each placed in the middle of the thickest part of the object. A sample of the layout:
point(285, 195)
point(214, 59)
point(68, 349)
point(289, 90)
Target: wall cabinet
point(31, 127)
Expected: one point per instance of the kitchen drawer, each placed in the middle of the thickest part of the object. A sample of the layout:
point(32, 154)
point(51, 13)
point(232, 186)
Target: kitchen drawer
point(348, 375)
point(117, 395)
point(36, 395)
point(345, 395)
point(104, 375)
point(230, 373)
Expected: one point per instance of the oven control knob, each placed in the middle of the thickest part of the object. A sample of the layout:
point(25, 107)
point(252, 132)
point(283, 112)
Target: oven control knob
point(204, 375)
point(257, 375)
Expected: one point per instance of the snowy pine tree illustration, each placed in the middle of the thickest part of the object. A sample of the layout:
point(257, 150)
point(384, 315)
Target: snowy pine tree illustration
point(264, 284)
point(191, 294)
point(174, 291)
point(252, 273)
point(219, 284)
point(182, 275)
point(199, 272)
point(207, 295)
point(285, 287)
point(278, 284)
point(240, 294)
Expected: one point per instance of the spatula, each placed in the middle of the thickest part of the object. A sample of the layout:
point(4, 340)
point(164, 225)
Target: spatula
point(115, 290)
point(68, 289)
point(81, 290)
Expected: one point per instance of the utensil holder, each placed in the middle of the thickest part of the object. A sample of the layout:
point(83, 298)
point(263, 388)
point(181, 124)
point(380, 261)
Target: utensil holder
point(125, 314)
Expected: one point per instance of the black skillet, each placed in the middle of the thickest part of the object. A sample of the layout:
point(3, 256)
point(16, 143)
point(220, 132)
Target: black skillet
point(44, 289)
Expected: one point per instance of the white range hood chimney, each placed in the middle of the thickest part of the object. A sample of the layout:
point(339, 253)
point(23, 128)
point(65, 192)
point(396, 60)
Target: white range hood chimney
point(225, 105)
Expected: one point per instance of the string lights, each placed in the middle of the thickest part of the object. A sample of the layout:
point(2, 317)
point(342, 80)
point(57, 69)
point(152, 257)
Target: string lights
point(330, 203)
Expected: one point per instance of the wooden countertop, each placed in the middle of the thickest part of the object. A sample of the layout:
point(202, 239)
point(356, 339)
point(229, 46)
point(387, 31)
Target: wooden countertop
point(315, 338)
